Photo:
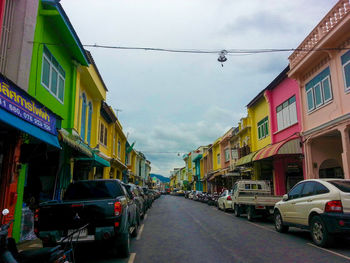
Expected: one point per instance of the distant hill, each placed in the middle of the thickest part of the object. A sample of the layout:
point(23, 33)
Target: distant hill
point(162, 178)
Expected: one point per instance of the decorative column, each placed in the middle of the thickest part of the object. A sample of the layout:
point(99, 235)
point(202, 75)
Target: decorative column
point(310, 174)
point(344, 130)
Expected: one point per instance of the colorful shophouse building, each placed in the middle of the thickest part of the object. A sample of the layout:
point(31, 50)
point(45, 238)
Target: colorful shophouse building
point(324, 81)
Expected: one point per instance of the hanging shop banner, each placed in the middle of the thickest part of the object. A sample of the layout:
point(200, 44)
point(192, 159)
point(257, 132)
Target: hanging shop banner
point(19, 103)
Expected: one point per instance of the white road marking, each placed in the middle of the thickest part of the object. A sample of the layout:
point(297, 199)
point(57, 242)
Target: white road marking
point(268, 229)
point(132, 257)
point(140, 232)
point(330, 251)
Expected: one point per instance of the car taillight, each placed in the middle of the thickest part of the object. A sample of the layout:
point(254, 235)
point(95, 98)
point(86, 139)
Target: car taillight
point(334, 207)
point(117, 208)
point(229, 198)
point(36, 215)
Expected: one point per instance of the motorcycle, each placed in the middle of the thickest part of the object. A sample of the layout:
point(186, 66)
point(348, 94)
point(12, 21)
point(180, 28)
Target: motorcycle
point(10, 254)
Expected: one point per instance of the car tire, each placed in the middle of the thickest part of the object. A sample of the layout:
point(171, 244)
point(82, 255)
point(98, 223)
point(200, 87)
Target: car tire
point(319, 233)
point(250, 213)
point(121, 245)
point(224, 207)
point(279, 226)
point(136, 230)
point(237, 211)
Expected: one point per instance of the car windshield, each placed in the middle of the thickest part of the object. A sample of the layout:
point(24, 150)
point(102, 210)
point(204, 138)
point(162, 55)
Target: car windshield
point(86, 190)
point(342, 185)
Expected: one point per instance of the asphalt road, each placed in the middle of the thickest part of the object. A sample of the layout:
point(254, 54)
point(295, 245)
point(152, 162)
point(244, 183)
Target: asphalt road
point(181, 230)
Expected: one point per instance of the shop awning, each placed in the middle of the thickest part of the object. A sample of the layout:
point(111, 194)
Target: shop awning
point(118, 163)
point(74, 143)
point(28, 128)
point(245, 159)
point(284, 147)
point(97, 160)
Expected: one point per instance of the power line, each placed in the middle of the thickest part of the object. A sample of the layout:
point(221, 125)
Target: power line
point(205, 51)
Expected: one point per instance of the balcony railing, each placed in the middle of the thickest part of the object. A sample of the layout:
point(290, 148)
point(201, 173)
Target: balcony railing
point(243, 151)
point(327, 24)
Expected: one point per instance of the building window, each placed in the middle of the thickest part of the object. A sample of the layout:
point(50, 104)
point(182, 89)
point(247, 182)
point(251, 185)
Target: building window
point(318, 90)
point(227, 155)
point(345, 60)
point(119, 149)
point(218, 158)
point(263, 128)
point(53, 75)
point(89, 123)
point(114, 144)
point(83, 117)
point(103, 134)
point(287, 114)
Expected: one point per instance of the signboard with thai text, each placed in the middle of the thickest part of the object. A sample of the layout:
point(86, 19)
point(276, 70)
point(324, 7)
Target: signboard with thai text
point(22, 105)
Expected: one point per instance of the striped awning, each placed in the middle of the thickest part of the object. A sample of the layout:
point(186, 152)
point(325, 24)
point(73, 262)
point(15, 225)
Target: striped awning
point(245, 159)
point(285, 147)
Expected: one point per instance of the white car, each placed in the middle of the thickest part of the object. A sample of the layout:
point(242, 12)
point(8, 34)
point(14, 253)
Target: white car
point(320, 205)
point(225, 201)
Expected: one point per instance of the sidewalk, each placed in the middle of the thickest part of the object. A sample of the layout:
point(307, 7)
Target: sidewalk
point(30, 244)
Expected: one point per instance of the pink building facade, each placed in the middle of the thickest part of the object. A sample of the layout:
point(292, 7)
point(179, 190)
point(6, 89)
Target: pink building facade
point(283, 97)
point(324, 80)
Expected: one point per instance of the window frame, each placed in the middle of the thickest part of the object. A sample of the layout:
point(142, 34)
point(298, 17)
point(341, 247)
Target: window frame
point(52, 67)
point(318, 80)
point(344, 64)
point(103, 134)
point(263, 128)
point(218, 161)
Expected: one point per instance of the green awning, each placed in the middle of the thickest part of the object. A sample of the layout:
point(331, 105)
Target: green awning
point(74, 142)
point(96, 160)
point(245, 159)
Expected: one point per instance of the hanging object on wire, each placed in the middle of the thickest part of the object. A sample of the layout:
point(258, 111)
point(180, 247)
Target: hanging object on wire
point(222, 57)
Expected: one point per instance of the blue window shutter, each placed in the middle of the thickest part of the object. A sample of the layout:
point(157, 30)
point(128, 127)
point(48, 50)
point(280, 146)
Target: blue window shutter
point(318, 78)
point(345, 58)
point(83, 118)
point(89, 123)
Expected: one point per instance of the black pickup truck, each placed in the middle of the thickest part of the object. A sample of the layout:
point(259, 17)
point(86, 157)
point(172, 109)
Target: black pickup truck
point(105, 205)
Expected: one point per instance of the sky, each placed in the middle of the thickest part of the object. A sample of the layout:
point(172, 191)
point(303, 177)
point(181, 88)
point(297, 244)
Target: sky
point(171, 103)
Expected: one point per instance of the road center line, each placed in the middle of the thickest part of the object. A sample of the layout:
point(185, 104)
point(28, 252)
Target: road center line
point(330, 251)
point(132, 257)
point(268, 229)
point(140, 232)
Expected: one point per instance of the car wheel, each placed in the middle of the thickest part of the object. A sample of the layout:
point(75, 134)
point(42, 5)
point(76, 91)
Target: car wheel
point(279, 226)
point(237, 211)
point(224, 207)
point(136, 230)
point(250, 213)
point(319, 232)
point(121, 245)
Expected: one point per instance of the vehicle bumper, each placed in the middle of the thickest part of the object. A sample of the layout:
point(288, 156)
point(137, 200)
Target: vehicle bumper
point(337, 223)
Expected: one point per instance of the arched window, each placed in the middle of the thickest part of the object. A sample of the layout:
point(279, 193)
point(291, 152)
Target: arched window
point(89, 123)
point(83, 118)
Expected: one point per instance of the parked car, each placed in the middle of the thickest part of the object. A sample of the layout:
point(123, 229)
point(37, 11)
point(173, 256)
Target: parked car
point(254, 198)
point(149, 196)
point(225, 201)
point(105, 205)
point(320, 205)
point(145, 198)
point(140, 202)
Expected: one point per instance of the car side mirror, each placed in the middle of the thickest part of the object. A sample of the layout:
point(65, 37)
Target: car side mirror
point(285, 197)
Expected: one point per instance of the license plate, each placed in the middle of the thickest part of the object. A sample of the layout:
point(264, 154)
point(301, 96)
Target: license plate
point(81, 233)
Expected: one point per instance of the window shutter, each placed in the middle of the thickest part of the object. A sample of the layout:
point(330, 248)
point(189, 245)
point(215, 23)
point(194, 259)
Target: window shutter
point(293, 113)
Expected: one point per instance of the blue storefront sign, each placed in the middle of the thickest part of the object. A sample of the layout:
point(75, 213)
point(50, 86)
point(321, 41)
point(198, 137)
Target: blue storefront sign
point(19, 110)
point(17, 102)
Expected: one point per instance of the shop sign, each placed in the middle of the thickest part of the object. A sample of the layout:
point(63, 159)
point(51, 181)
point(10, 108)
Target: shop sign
point(19, 103)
